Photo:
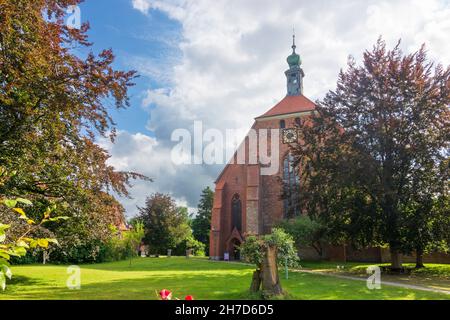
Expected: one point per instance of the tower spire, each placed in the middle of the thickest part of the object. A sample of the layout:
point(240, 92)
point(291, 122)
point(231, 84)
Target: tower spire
point(295, 73)
point(293, 40)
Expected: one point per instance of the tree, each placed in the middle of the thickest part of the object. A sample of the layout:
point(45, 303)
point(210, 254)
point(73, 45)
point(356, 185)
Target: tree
point(165, 224)
point(201, 224)
point(427, 226)
point(306, 232)
point(54, 102)
point(134, 238)
point(267, 252)
point(377, 144)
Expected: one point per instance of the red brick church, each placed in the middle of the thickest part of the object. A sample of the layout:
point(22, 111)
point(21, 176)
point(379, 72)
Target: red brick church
point(247, 201)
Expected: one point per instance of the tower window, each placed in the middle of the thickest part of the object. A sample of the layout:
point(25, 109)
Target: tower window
point(291, 182)
point(282, 124)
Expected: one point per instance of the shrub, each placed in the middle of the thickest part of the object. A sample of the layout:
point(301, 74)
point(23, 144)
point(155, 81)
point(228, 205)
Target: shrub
point(197, 247)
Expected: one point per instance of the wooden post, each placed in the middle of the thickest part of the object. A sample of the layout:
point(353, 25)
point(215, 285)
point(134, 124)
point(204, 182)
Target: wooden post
point(286, 269)
point(45, 257)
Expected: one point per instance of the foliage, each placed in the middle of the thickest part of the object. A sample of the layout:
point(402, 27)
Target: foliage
point(253, 249)
point(54, 102)
point(87, 236)
point(18, 246)
point(376, 145)
point(198, 248)
point(165, 224)
point(134, 237)
point(201, 224)
point(115, 249)
point(306, 232)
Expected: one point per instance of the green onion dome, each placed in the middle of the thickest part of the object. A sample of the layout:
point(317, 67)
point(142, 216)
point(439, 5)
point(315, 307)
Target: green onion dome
point(294, 60)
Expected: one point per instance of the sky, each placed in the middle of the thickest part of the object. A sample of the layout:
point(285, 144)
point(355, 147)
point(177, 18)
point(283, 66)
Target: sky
point(222, 62)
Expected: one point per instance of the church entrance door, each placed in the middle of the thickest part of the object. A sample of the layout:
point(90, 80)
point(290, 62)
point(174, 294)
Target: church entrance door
point(236, 252)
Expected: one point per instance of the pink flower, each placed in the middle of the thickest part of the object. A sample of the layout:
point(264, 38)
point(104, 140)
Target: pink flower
point(165, 294)
point(189, 298)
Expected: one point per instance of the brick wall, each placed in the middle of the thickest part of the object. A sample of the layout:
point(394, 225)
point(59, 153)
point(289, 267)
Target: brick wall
point(262, 207)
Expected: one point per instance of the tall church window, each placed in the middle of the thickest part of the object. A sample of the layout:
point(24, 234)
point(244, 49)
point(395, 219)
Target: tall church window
point(291, 182)
point(236, 213)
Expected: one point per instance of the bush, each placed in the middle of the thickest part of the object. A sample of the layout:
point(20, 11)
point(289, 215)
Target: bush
point(253, 251)
point(197, 247)
point(306, 232)
point(119, 246)
point(79, 253)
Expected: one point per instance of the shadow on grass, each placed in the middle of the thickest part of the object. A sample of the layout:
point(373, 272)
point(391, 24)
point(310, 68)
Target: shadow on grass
point(167, 264)
point(310, 286)
point(202, 287)
point(24, 281)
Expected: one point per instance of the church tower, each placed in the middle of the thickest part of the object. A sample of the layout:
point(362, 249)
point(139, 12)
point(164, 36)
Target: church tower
point(295, 73)
point(247, 198)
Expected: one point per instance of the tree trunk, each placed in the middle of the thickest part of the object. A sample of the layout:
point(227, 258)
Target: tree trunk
point(256, 281)
point(318, 247)
point(419, 258)
point(270, 277)
point(396, 262)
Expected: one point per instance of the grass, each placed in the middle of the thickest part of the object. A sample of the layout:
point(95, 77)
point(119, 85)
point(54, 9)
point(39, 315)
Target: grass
point(199, 277)
point(430, 270)
point(433, 275)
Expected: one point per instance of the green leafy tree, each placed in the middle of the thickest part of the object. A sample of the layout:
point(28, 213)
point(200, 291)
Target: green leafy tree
point(427, 226)
point(306, 232)
point(201, 224)
point(165, 224)
point(122, 245)
point(133, 239)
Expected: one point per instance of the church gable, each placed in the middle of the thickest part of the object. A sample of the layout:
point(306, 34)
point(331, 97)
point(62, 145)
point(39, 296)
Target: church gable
point(290, 106)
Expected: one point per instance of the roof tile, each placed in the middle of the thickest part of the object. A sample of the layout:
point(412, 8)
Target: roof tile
point(290, 104)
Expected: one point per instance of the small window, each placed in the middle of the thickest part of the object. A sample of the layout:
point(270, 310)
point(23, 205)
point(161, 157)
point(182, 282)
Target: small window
point(282, 124)
point(298, 122)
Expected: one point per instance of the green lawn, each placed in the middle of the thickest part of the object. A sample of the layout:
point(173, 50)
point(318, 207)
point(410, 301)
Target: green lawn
point(433, 275)
point(199, 277)
point(430, 270)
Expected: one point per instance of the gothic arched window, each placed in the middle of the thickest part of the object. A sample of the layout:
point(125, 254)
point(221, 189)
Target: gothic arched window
point(236, 213)
point(291, 182)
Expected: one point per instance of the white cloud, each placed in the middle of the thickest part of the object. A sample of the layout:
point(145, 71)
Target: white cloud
point(232, 63)
point(143, 154)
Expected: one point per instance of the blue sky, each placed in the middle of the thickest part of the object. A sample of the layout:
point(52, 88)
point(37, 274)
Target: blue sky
point(222, 62)
point(116, 24)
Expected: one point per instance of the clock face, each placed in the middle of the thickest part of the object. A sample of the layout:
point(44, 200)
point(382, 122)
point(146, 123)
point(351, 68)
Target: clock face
point(290, 135)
